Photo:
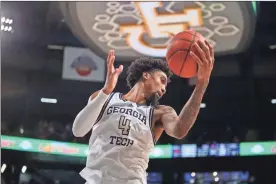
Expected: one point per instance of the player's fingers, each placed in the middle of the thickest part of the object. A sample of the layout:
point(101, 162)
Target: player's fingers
point(111, 61)
point(108, 62)
point(211, 50)
point(112, 58)
point(108, 57)
point(197, 59)
point(200, 52)
point(205, 48)
point(119, 70)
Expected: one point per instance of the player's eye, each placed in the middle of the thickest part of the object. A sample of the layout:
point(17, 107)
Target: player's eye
point(163, 81)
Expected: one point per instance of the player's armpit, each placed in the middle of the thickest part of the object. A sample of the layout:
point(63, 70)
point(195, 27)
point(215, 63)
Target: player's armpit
point(171, 122)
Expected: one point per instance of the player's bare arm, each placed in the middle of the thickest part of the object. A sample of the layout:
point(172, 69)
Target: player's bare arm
point(111, 75)
point(179, 125)
point(86, 118)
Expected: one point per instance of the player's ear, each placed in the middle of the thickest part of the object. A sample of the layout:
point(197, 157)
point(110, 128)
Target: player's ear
point(146, 75)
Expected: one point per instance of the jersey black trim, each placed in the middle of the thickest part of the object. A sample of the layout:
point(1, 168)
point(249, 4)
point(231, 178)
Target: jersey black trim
point(103, 108)
point(121, 97)
point(150, 123)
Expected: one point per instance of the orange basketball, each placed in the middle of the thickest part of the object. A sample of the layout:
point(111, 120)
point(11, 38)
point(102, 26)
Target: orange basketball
point(178, 57)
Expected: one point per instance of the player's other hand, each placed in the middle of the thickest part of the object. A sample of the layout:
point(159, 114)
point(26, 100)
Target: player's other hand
point(204, 58)
point(112, 73)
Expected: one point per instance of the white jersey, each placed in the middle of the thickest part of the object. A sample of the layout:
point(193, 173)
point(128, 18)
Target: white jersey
point(120, 143)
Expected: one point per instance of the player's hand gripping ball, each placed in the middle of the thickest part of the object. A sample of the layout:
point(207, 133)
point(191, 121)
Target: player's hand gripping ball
point(186, 51)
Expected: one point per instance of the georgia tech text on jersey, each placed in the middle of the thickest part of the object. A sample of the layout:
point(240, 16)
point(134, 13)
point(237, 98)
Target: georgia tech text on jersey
point(127, 111)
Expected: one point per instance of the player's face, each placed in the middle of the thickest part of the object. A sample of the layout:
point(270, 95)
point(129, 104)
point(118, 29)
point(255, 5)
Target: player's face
point(156, 83)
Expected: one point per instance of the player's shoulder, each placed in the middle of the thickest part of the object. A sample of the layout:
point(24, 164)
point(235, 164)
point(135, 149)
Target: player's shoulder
point(160, 111)
point(163, 108)
point(93, 95)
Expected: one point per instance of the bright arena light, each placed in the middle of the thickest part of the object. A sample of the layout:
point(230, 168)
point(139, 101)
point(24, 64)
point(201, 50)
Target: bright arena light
point(21, 130)
point(3, 168)
point(6, 24)
point(24, 168)
point(6, 20)
point(202, 105)
point(48, 100)
point(215, 173)
point(273, 101)
point(6, 28)
point(193, 174)
point(3, 19)
point(216, 179)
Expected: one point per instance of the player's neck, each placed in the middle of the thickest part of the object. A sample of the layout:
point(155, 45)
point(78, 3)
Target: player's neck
point(136, 94)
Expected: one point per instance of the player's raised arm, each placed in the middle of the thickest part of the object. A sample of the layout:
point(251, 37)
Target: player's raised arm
point(179, 125)
point(86, 118)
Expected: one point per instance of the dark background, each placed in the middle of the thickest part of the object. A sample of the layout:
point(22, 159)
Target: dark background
point(238, 98)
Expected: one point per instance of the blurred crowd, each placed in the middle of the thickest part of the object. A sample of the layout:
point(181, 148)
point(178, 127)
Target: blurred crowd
point(54, 130)
point(51, 130)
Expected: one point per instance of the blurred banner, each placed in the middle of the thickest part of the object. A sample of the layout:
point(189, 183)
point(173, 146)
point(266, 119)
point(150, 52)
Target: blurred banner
point(161, 151)
point(136, 29)
point(82, 64)
point(65, 148)
point(221, 177)
point(158, 152)
point(257, 148)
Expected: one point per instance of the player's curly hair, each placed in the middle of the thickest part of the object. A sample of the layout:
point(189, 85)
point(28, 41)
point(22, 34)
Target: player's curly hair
point(146, 64)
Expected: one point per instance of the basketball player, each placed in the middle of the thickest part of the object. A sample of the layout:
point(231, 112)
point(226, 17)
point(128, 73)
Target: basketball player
point(125, 128)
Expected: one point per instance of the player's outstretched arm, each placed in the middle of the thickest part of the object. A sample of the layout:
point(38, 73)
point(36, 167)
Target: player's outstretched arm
point(86, 118)
point(179, 125)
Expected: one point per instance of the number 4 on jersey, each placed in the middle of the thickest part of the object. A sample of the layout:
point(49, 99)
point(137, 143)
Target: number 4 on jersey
point(124, 125)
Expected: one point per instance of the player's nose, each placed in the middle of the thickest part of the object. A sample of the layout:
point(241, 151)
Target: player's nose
point(163, 90)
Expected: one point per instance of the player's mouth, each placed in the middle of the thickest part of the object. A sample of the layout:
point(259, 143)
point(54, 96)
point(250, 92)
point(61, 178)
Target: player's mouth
point(159, 94)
